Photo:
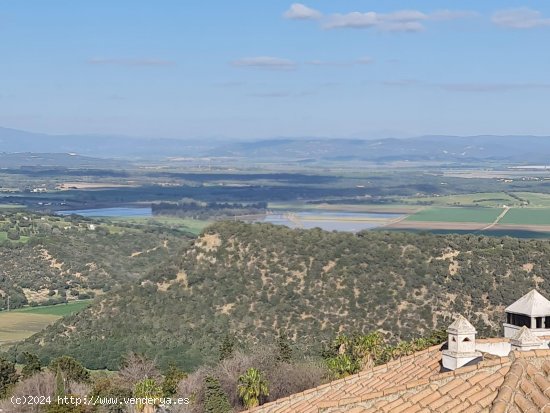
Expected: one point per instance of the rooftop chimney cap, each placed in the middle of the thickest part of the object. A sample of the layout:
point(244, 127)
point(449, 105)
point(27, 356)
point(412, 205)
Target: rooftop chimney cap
point(461, 326)
point(532, 304)
point(525, 337)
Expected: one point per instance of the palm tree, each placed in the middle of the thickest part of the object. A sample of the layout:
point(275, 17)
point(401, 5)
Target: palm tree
point(252, 388)
point(148, 389)
point(368, 348)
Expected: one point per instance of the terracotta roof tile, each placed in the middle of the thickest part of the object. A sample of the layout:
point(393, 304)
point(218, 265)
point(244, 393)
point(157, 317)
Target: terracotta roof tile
point(519, 383)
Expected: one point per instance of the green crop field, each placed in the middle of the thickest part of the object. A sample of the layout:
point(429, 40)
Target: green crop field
point(59, 310)
point(21, 323)
point(478, 199)
point(366, 208)
point(193, 226)
point(527, 216)
point(535, 199)
point(15, 326)
point(464, 214)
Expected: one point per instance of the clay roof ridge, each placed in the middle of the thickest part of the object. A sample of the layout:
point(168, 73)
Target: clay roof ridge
point(422, 382)
point(530, 354)
point(523, 382)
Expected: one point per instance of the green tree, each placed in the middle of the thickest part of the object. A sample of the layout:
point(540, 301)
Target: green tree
point(227, 346)
point(59, 383)
point(110, 387)
point(32, 365)
point(252, 388)
point(8, 376)
point(71, 369)
point(148, 389)
point(342, 365)
point(171, 380)
point(215, 399)
point(284, 348)
point(13, 235)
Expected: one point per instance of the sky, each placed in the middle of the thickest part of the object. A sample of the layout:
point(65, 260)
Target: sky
point(250, 69)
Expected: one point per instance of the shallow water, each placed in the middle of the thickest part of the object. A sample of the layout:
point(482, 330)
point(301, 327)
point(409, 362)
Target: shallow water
point(110, 212)
point(331, 221)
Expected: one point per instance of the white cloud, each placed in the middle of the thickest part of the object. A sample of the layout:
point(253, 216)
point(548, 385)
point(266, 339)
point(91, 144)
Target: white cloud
point(355, 20)
point(360, 61)
point(411, 27)
point(130, 62)
point(265, 62)
point(397, 21)
point(405, 16)
point(298, 11)
point(522, 18)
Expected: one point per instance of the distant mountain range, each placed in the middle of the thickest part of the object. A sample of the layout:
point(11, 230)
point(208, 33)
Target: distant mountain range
point(513, 149)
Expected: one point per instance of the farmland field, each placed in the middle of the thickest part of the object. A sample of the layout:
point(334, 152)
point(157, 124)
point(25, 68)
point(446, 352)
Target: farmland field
point(15, 326)
point(464, 214)
point(478, 199)
point(193, 226)
point(367, 208)
point(527, 216)
point(535, 199)
point(19, 324)
point(59, 310)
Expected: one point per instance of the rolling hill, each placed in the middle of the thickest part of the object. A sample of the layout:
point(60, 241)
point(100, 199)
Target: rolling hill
point(437, 148)
point(256, 280)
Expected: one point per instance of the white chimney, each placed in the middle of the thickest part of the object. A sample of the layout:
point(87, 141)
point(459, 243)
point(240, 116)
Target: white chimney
point(461, 344)
point(525, 340)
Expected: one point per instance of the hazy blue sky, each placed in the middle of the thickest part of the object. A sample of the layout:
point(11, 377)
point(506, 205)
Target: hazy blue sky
point(269, 68)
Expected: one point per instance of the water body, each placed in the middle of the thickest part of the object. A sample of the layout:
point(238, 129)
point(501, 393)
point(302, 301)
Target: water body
point(331, 221)
point(111, 212)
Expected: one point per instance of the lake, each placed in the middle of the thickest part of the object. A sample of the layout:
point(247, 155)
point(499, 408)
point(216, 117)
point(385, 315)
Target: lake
point(110, 212)
point(327, 220)
point(331, 221)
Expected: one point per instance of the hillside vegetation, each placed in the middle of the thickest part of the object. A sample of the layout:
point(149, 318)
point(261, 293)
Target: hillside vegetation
point(258, 280)
point(75, 258)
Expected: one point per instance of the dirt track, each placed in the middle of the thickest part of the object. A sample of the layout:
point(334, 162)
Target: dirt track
point(469, 226)
point(437, 225)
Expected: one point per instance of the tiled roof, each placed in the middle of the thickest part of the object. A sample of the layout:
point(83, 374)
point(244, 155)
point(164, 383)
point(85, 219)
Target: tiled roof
point(526, 388)
point(519, 383)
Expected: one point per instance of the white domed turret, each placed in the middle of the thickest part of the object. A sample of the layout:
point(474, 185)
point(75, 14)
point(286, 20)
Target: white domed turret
point(531, 311)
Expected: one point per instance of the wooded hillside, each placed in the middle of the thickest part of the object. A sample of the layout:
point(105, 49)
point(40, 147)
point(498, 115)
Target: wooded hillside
point(256, 280)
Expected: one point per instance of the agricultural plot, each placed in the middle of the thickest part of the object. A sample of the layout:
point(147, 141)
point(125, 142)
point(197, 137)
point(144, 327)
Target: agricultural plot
point(19, 324)
point(59, 310)
point(16, 326)
point(464, 214)
point(527, 216)
point(535, 199)
point(193, 226)
point(478, 199)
